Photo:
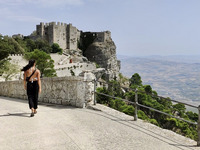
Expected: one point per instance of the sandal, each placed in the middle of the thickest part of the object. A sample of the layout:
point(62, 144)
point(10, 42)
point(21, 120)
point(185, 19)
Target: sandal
point(32, 114)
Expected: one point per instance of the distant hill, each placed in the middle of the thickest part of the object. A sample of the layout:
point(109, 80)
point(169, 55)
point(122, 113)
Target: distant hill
point(177, 77)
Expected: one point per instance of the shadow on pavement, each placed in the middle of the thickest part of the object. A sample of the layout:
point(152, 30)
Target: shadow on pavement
point(56, 106)
point(16, 114)
point(14, 99)
point(184, 145)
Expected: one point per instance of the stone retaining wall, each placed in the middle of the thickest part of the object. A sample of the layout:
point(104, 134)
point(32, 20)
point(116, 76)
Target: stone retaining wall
point(75, 91)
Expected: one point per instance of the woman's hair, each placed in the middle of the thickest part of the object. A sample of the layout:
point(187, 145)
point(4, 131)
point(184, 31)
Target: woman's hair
point(30, 64)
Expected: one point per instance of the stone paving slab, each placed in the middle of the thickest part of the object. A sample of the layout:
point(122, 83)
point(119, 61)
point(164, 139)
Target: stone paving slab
point(57, 127)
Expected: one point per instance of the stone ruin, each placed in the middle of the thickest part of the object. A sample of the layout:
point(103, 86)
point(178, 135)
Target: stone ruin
point(97, 47)
point(66, 35)
point(82, 51)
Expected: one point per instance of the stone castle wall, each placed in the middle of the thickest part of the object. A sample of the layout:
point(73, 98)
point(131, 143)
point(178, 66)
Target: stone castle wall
point(75, 91)
point(62, 65)
point(66, 35)
point(73, 37)
point(103, 36)
point(59, 35)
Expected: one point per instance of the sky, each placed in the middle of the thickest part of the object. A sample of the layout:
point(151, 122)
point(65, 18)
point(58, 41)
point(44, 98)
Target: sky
point(138, 27)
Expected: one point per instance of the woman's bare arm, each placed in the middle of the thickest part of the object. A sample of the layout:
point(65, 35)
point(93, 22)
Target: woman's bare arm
point(39, 81)
point(25, 80)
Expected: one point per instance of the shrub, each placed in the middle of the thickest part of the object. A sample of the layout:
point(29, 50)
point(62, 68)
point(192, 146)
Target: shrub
point(129, 110)
point(142, 115)
point(153, 121)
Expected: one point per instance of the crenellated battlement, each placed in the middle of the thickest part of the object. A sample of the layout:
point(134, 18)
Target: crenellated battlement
point(53, 24)
point(16, 55)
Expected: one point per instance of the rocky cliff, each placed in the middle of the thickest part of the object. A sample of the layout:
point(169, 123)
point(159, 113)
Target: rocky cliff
point(103, 53)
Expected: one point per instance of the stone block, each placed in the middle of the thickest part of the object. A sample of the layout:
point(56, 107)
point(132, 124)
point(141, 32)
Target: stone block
point(52, 101)
point(59, 101)
point(46, 100)
point(66, 102)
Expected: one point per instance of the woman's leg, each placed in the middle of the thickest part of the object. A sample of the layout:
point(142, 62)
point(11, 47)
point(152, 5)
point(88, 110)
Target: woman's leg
point(32, 112)
point(31, 105)
point(36, 89)
point(31, 101)
point(30, 98)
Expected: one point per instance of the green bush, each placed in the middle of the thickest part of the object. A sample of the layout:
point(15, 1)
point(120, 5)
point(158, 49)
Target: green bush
point(118, 104)
point(142, 115)
point(129, 110)
point(153, 121)
point(101, 98)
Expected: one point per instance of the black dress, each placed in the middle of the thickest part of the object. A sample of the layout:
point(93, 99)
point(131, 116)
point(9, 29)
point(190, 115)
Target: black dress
point(32, 92)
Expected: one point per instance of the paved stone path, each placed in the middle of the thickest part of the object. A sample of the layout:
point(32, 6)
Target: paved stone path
point(57, 127)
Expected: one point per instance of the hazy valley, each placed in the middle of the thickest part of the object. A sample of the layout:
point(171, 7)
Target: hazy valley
point(177, 77)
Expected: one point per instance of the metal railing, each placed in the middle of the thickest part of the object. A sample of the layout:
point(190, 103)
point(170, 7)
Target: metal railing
point(136, 104)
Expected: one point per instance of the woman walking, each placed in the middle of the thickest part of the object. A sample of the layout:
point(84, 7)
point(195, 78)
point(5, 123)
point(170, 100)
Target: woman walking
point(32, 85)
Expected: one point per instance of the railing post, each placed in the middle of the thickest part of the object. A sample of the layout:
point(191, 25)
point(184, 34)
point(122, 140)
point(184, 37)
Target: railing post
point(95, 91)
point(136, 104)
point(198, 128)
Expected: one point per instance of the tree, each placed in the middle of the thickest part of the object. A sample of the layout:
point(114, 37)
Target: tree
point(114, 89)
point(130, 96)
point(148, 89)
point(9, 70)
point(30, 45)
point(21, 42)
point(43, 45)
point(4, 53)
point(193, 116)
point(179, 109)
point(135, 80)
point(101, 98)
point(4, 49)
point(43, 62)
point(13, 46)
point(56, 48)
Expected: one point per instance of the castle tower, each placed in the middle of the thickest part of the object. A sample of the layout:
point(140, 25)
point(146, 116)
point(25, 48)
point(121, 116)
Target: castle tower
point(60, 35)
point(40, 29)
point(65, 35)
point(73, 37)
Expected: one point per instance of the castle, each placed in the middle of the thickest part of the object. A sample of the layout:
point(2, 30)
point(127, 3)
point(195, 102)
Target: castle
point(82, 51)
point(97, 47)
point(66, 35)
